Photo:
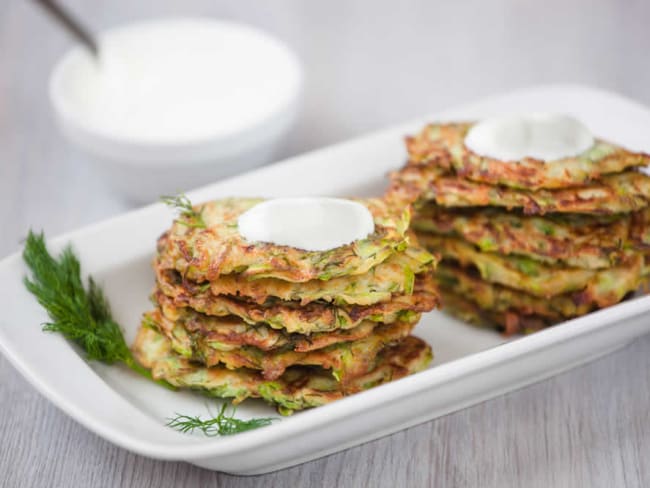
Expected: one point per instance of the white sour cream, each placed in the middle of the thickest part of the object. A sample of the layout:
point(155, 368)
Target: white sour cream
point(312, 224)
point(179, 80)
point(543, 136)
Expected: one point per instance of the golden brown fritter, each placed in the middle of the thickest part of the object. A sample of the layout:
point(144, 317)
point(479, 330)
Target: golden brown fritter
point(443, 145)
point(205, 254)
point(602, 287)
point(298, 388)
point(640, 231)
point(293, 317)
point(613, 194)
point(499, 298)
point(186, 326)
point(581, 241)
point(509, 322)
point(346, 360)
point(394, 276)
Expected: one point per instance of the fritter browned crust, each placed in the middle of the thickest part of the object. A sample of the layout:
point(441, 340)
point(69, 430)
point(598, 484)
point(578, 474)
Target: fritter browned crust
point(443, 145)
point(581, 241)
point(205, 254)
point(346, 360)
point(186, 327)
point(393, 276)
point(298, 388)
point(603, 287)
point(645, 273)
point(498, 298)
point(291, 316)
point(509, 322)
point(640, 231)
point(613, 194)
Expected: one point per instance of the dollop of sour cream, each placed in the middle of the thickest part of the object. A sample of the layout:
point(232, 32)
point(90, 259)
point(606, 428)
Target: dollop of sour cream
point(543, 136)
point(312, 224)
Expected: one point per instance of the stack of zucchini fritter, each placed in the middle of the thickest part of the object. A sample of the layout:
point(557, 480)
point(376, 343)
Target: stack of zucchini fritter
point(299, 329)
point(526, 244)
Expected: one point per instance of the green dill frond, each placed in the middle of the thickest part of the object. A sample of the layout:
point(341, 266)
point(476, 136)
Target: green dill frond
point(222, 424)
point(81, 315)
point(186, 210)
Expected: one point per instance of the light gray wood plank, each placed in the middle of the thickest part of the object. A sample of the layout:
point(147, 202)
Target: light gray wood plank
point(368, 64)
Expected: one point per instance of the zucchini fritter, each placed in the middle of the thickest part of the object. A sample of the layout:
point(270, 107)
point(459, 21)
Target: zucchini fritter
point(394, 276)
point(613, 194)
point(640, 230)
point(509, 322)
point(205, 254)
point(294, 317)
point(186, 326)
point(346, 360)
point(499, 298)
point(603, 287)
point(298, 388)
point(443, 145)
point(582, 241)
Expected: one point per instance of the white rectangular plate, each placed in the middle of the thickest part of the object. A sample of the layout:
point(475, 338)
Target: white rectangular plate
point(468, 368)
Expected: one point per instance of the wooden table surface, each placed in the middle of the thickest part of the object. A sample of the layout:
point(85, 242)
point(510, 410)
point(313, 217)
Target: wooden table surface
point(368, 64)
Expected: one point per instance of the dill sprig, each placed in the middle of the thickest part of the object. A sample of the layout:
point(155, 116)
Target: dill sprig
point(221, 424)
point(82, 315)
point(185, 209)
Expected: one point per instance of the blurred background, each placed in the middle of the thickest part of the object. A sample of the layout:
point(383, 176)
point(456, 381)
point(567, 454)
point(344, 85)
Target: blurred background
point(368, 64)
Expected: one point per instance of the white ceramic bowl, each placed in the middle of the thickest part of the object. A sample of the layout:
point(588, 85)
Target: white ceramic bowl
point(145, 168)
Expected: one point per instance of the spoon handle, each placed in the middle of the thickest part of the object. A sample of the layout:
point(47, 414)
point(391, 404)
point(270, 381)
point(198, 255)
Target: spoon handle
point(71, 24)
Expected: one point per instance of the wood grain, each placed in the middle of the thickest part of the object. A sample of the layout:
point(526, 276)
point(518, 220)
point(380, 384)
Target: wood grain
point(368, 64)
point(589, 427)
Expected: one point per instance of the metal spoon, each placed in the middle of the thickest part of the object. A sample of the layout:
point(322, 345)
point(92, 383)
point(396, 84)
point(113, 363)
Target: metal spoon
point(72, 25)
